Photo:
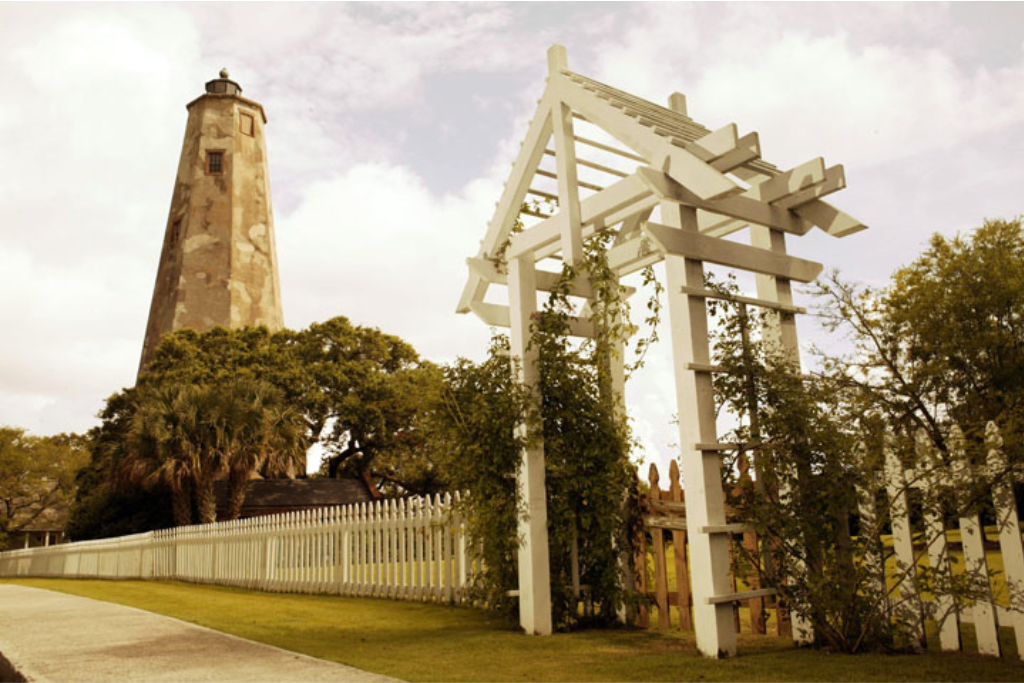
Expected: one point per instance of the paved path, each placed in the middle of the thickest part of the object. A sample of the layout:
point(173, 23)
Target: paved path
point(49, 636)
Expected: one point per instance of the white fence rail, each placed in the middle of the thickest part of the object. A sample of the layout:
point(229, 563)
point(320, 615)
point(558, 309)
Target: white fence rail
point(412, 549)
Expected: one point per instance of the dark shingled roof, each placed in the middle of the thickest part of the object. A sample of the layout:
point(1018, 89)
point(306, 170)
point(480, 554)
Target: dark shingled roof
point(267, 496)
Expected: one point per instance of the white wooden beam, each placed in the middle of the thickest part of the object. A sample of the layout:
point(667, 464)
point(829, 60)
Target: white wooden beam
point(820, 213)
point(829, 218)
point(633, 254)
point(534, 555)
point(798, 178)
point(594, 208)
point(715, 225)
point(693, 245)
point(705, 499)
point(565, 160)
point(592, 164)
point(497, 315)
point(677, 103)
point(512, 197)
point(582, 183)
point(748, 148)
point(724, 150)
point(547, 281)
point(770, 189)
point(716, 143)
point(542, 194)
point(630, 226)
point(743, 208)
point(835, 180)
point(750, 301)
point(493, 315)
point(742, 595)
point(608, 148)
point(704, 181)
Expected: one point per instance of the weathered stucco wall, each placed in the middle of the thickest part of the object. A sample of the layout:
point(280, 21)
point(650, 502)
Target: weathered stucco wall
point(218, 265)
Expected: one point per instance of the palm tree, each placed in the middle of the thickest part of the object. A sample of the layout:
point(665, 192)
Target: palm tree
point(151, 453)
point(260, 434)
point(173, 440)
point(188, 436)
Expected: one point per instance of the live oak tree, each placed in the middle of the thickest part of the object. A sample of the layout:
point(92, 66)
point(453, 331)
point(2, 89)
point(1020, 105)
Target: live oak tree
point(37, 474)
point(361, 393)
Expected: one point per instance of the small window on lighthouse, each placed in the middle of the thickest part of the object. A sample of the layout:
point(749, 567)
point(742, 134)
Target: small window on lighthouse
point(214, 162)
point(247, 124)
point(175, 233)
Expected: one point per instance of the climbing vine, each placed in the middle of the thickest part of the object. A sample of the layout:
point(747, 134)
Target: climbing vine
point(592, 516)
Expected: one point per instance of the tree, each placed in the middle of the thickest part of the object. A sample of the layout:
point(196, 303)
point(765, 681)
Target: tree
point(283, 359)
point(374, 389)
point(944, 343)
point(106, 505)
point(173, 441)
point(258, 432)
point(37, 474)
point(936, 354)
point(361, 392)
point(187, 436)
point(477, 413)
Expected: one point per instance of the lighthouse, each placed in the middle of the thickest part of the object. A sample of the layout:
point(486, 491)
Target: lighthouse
point(218, 265)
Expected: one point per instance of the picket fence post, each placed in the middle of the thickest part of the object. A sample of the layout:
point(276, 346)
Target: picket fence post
point(908, 603)
point(1010, 545)
point(972, 537)
point(946, 613)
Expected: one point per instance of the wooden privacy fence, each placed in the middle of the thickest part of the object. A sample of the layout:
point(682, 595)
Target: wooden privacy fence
point(665, 522)
point(412, 549)
point(932, 548)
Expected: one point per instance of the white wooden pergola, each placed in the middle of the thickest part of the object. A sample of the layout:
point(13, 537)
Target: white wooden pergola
point(707, 185)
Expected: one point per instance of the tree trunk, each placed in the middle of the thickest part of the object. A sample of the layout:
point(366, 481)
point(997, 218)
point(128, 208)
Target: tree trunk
point(238, 485)
point(206, 501)
point(181, 503)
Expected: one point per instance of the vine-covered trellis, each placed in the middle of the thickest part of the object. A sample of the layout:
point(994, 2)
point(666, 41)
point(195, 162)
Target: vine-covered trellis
point(706, 185)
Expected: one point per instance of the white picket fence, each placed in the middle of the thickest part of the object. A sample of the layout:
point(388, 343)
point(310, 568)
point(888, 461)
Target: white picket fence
point(933, 549)
point(411, 549)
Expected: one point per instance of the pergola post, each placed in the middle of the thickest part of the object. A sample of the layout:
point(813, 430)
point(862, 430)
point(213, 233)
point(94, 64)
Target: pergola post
point(779, 290)
point(701, 469)
point(534, 563)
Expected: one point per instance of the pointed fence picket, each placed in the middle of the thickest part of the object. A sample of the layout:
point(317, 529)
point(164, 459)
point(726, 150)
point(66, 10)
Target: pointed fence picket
point(665, 524)
point(932, 548)
point(409, 549)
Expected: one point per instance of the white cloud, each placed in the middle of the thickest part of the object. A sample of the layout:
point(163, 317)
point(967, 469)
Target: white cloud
point(91, 123)
point(376, 246)
point(92, 113)
point(812, 88)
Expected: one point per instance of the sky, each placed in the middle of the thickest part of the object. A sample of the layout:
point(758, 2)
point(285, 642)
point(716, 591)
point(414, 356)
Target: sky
point(392, 128)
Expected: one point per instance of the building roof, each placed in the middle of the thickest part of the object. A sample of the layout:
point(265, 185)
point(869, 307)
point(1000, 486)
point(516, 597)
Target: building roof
point(266, 496)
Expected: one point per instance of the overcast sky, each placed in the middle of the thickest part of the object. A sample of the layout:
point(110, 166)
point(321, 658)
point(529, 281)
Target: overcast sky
point(392, 127)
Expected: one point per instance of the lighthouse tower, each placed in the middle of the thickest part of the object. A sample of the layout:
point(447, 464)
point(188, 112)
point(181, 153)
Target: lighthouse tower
point(218, 266)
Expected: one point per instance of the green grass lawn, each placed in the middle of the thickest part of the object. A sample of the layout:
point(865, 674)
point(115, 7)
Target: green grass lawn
point(426, 642)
